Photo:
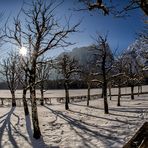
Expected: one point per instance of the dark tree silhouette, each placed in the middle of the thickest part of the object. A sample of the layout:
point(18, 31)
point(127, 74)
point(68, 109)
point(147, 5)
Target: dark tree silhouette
point(119, 79)
point(115, 8)
point(87, 74)
point(43, 73)
point(133, 70)
point(24, 80)
point(10, 72)
point(67, 66)
point(104, 63)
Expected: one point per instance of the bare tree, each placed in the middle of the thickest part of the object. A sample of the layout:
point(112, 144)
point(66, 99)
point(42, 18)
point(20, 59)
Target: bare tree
point(1, 38)
point(133, 70)
point(115, 8)
point(39, 33)
point(88, 74)
point(10, 71)
point(90, 5)
point(67, 67)
point(119, 79)
point(105, 62)
point(109, 89)
point(43, 73)
point(24, 78)
point(1, 35)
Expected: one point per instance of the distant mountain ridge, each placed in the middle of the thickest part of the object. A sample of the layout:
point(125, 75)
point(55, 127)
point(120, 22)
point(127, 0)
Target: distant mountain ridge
point(82, 54)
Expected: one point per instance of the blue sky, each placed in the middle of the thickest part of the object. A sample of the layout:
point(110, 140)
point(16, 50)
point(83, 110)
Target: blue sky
point(121, 32)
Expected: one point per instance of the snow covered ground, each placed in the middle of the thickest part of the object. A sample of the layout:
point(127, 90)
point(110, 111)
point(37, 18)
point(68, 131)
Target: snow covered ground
point(80, 127)
point(73, 92)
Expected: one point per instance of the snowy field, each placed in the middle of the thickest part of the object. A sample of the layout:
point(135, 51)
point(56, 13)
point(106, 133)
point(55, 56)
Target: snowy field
point(80, 127)
point(61, 93)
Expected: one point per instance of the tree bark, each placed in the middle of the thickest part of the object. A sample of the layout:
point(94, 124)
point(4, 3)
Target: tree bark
point(2, 101)
point(35, 121)
point(102, 93)
point(110, 93)
point(36, 128)
point(119, 95)
point(13, 98)
point(105, 98)
point(42, 96)
point(88, 93)
point(66, 96)
point(105, 86)
point(139, 90)
point(132, 92)
point(26, 110)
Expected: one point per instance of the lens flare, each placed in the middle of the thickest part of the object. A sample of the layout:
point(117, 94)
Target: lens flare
point(23, 51)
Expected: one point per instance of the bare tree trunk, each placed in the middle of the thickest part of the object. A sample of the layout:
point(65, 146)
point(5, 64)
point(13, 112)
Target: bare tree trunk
point(35, 121)
point(102, 93)
point(42, 96)
point(132, 92)
point(26, 110)
point(36, 128)
point(66, 96)
point(119, 95)
point(105, 86)
point(88, 93)
point(105, 98)
point(13, 98)
point(2, 101)
point(139, 89)
point(110, 93)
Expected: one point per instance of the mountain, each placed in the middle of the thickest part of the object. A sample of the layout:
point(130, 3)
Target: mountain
point(138, 50)
point(82, 54)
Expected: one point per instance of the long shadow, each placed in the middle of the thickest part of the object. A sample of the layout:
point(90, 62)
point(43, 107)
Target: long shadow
point(132, 109)
point(115, 120)
point(129, 110)
point(124, 109)
point(109, 114)
point(25, 137)
point(90, 106)
point(3, 117)
point(84, 127)
point(119, 115)
point(18, 118)
point(77, 104)
point(39, 143)
point(7, 125)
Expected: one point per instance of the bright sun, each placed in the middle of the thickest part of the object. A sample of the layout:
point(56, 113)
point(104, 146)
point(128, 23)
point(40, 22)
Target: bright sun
point(23, 51)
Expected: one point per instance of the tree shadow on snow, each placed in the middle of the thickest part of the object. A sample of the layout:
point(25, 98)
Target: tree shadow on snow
point(82, 129)
point(14, 130)
point(135, 108)
point(129, 109)
point(36, 143)
point(90, 106)
point(103, 117)
point(6, 125)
